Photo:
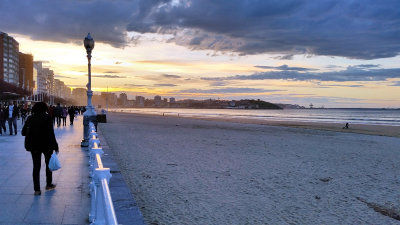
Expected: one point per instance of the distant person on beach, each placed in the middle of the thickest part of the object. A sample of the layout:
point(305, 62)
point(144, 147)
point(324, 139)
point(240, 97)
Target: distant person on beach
point(11, 115)
point(346, 126)
point(2, 120)
point(39, 138)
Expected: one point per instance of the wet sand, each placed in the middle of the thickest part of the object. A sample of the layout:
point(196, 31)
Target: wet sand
point(381, 130)
point(191, 171)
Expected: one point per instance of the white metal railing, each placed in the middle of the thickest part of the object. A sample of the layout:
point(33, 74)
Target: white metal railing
point(101, 207)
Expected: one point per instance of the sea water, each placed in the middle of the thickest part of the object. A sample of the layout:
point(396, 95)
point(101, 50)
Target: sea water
point(390, 117)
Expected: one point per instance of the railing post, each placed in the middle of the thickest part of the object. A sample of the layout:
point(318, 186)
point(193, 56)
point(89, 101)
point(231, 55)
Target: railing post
point(92, 159)
point(100, 210)
point(92, 141)
point(92, 214)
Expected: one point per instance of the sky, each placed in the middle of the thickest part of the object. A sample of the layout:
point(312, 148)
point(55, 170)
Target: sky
point(338, 53)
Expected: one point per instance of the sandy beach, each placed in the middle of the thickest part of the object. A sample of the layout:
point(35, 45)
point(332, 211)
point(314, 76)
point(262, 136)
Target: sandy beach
point(191, 171)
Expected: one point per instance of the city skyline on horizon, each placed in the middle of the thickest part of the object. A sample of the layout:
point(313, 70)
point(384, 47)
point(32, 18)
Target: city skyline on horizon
point(337, 55)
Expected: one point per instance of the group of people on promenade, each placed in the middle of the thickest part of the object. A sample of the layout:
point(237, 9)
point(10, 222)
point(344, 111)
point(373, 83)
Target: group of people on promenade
point(10, 112)
point(59, 114)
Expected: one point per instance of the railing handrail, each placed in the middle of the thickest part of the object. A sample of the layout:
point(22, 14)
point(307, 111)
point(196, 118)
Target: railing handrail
point(102, 209)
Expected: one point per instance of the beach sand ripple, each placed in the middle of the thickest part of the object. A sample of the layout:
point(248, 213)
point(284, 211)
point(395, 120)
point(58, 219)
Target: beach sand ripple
point(188, 171)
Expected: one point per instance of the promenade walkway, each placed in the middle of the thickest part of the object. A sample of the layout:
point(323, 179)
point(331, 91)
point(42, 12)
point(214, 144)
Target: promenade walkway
point(69, 203)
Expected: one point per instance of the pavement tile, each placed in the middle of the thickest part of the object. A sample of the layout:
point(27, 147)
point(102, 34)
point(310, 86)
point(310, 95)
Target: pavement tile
point(69, 203)
point(45, 213)
point(11, 198)
point(13, 212)
point(75, 215)
point(18, 205)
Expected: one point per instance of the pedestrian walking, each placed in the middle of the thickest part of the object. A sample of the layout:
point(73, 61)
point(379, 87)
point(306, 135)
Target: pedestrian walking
point(24, 113)
point(40, 139)
point(58, 114)
point(64, 116)
point(71, 112)
point(2, 120)
point(51, 114)
point(11, 115)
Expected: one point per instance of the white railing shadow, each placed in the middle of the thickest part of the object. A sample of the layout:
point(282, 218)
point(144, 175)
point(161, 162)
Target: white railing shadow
point(101, 207)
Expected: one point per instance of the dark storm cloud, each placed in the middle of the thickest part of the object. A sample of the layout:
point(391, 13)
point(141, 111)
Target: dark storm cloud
point(135, 85)
point(171, 76)
point(218, 84)
point(286, 68)
point(338, 85)
point(351, 73)
point(64, 77)
point(364, 29)
point(68, 21)
point(108, 76)
point(396, 83)
point(164, 85)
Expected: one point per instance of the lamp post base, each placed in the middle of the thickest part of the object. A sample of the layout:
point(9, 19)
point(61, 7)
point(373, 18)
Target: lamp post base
point(84, 143)
point(87, 118)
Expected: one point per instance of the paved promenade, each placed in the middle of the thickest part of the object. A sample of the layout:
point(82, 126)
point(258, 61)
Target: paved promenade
point(69, 203)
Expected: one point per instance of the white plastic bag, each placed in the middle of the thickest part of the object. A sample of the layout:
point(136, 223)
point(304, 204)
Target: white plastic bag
point(54, 163)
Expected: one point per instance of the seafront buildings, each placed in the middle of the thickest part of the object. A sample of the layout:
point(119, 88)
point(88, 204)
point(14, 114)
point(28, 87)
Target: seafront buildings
point(9, 59)
point(22, 78)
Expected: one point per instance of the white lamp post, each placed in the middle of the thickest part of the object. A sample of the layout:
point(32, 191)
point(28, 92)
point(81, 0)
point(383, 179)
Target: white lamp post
point(90, 114)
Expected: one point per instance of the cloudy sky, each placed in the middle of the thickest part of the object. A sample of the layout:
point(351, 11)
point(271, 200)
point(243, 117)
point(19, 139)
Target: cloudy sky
point(338, 53)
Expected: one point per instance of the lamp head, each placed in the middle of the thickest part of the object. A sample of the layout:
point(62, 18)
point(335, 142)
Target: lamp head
point(88, 43)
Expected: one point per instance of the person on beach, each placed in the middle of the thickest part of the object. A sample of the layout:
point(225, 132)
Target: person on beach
point(11, 115)
point(2, 120)
point(40, 139)
point(346, 126)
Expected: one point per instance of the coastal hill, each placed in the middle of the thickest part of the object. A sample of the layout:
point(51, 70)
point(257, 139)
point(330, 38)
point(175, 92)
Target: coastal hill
point(211, 104)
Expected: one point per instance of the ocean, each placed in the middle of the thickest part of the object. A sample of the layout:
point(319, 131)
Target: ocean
point(389, 117)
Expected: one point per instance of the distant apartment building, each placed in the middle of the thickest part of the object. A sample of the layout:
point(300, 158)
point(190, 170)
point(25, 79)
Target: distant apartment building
point(49, 75)
point(157, 100)
point(123, 99)
point(58, 88)
point(67, 92)
point(26, 71)
point(9, 59)
point(140, 101)
point(61, 90)
point(39, 79)
point(80, 96)
point(172, 100)
point(109, 98)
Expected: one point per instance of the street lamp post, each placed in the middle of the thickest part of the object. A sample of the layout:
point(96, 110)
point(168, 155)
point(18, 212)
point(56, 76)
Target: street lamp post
point(90, 114)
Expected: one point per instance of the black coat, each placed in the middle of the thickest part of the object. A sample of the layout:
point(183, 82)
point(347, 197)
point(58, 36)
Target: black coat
point(39, 134)
point(71, 112)
point(14, 113)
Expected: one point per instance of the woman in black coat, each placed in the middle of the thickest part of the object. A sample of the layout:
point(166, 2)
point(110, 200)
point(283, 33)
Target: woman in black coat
point(40, 138)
